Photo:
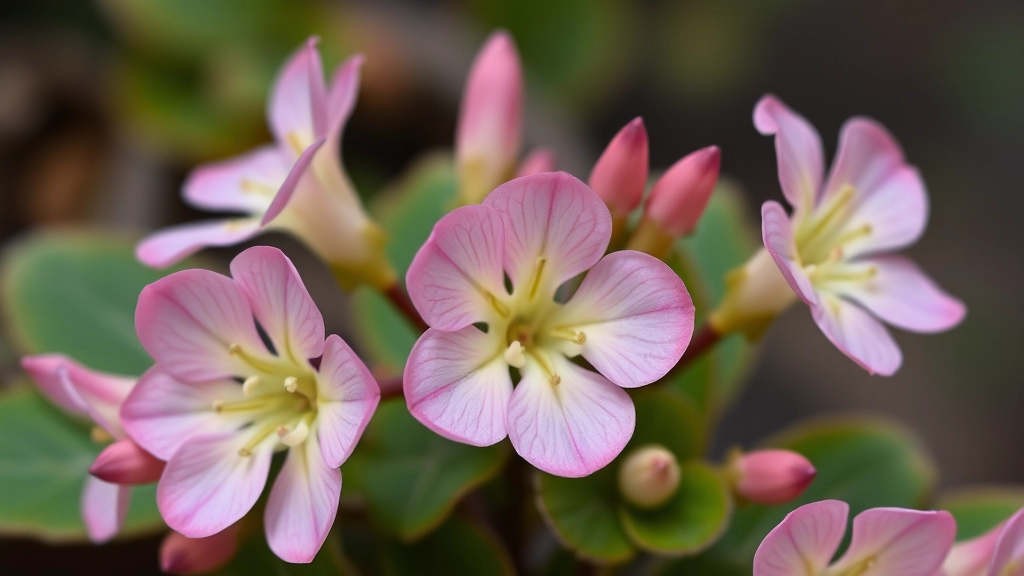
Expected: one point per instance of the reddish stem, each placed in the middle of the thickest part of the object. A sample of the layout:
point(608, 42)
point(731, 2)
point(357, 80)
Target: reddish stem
point(702, 341)
point(401, 301)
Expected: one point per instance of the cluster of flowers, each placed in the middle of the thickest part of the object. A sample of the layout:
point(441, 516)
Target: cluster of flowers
point(243, 368)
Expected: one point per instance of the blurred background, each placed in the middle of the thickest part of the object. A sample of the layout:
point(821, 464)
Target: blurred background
point(106, 105)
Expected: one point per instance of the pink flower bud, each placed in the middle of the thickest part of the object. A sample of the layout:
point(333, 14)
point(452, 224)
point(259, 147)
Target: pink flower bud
point(125, 462)
point(620, 174)
point(181, 555)
point(536, 162)
point(772, 476)
point(679, 197)
point(649, 476)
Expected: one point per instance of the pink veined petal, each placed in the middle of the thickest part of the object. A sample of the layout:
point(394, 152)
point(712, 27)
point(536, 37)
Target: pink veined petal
point(208, 486)
point(457, 274)
point(538, 161)
point(162, 413)
point(341, 100)
point(301, 169)
point(858, 335)
point(79, 390)
point(1008, 558)
point(302, 504)
point(902, 295)
point(797, 148)
point(168, 246)
point(777, 234)
point(896, 212)
point(572, 428)
point(188, 321)
point(866, 157)
point(297, 108)
point(636, 315)
point(104, 507)
point(972, 557)
point(347, 395)
point(804, 542)
point(553, 222)
point(899, 542)
point(458, 385)
point(280, 302)
point(245, 183)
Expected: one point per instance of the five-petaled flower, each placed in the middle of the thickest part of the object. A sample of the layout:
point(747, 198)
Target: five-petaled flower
point(998, 552)
point(631, 318)
point(297, 184)
point(219, 403)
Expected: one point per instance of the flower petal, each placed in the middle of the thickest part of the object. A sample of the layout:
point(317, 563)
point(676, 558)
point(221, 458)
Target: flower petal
point(554, 217)
point(104, 508)
point(456, 276)
point(898, 542)
point(188, 321)
point(341, 100)
point(636, 315)
point(208, 486)
point(1008, 558)
point(858, 335)
point(797, 148)
point(777, 234)
point(572, 428)
point(458, 385)
point(804, 542)
point(280, 302)
point(297, 108)
point(302, 503)
point(80, 390)
point(347, 395)
point(245, 183)
point(895, 212)
point(538, 161)
point(866, 157)
point(165, 247)
point(972, 557)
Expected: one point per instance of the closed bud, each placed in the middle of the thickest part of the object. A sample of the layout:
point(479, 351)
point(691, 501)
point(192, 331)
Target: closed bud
point(182, 555)
point(679, 197)
point(649, 476)
point(537, 162)
point(125, 462)
point(771, 476)
point(620, 174)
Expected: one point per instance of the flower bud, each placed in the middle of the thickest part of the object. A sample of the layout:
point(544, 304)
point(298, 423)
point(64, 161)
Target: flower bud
point(755, 294)
point(182, 555)
point(620, 174)
point(536, 162)
point(679, 197)
point(771, 476)
point(125, 462)
point(649, 476)
point(489, 132)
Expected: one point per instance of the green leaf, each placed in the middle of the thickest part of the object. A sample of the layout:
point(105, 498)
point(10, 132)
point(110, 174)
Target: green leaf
point(411, 477)
point(693, 520)
point(583, 512)
point(459, 547)
point(667, 419)
point(44, 462)
point(978, 510)
point(255, 557)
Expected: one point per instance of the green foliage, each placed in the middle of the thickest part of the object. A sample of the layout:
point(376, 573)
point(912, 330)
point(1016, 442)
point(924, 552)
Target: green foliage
point(255, 557)
point(458, 547)
point(978, 510)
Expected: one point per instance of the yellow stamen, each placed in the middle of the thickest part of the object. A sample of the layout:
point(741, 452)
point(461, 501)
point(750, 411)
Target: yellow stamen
point(539, 272)
point(555, 379)
point(295, 436)
point(251, 187)
point(250, 384)
point(498, 306)
point(255, 439)
point(575, 336)
point(291, 384)
point(515, 354)
point(99, 435)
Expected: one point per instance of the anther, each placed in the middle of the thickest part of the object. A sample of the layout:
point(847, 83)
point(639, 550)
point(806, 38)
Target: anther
point(99, 435)
point(234, 348)
point(218, 405)
point(515, 354)
point(293, 437)
point(291, 384)
point(555, 380)
point(250, 384)
point(244, 452)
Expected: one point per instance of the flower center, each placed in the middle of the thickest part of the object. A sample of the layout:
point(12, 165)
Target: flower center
point(860, 567)
point(824, 232)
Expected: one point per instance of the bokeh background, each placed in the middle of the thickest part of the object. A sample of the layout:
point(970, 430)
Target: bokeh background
point(105, 105)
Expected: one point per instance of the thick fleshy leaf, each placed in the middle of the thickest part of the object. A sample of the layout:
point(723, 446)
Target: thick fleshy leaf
point(255, 557)
point(804, 542)
point(457, 275)
point(777, 232)
point(637, 317)
point(867, 155)
point(104, 508)
point(899, 542)
point(1008, 558)
point(347, 396)
point(554, 224)
point(798, 151)
point(297, 108)
point(667, 418)
point(979, 509)
point(459, 546)
point(168, 246)
point(302, 503)
point(458, 385)
point(246, 183)
point(895, 212)
point(570, 428)
point(858, 335)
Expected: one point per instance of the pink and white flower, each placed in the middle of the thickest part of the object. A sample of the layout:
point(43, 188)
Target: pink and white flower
point(998, 552)
point(631, 319)
point(297, 184)
point(886, 542)
point(219, 403)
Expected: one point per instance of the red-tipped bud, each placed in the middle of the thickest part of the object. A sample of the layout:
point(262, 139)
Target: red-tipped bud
point(620, 174)
point(679, 197)
point(771, 476)
point(536, 162)
point(125, 462)
point(649, 476)
point(489, 132)
point(181, 555)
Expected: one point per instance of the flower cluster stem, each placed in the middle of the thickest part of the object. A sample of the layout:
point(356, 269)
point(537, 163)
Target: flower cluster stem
point(400, 299)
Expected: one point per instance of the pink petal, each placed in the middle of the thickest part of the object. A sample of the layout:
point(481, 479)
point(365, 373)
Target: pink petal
point(538, 161)
point(636, 315)
point(297, 109)
point(125, 462)
point(896, 211)
point(188, 321)
point(80, 390)
point(804, 542)
point(290, 186)
point(572, 428)
point(902, 295)
point(280, 302)
point(458, 385)
point(245, 183)
point(619, 176)
point(552, 216)
point(340, 101)
point(899, 542)
point(457, 274)
point(162, 413)
point(168, 246)
point(347, 397)
point(208, 486)
point(1008, 558)
point(866, 157)
point(302, 504)
point(797, 148)
point(858, 335)
point(972, 557)
point(679, 197)
point(104, 508)
point(777, 233)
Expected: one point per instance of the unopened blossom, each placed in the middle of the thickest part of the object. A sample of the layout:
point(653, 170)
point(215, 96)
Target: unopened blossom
point(649, 476)
point(619, 176)
point(771, 476)
point(998, 552)
point(219, 403)
point(631, 318)
point(98, 396)
point(182, 555)
point(885, 542)
point(834, 250)
point(297, 184)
